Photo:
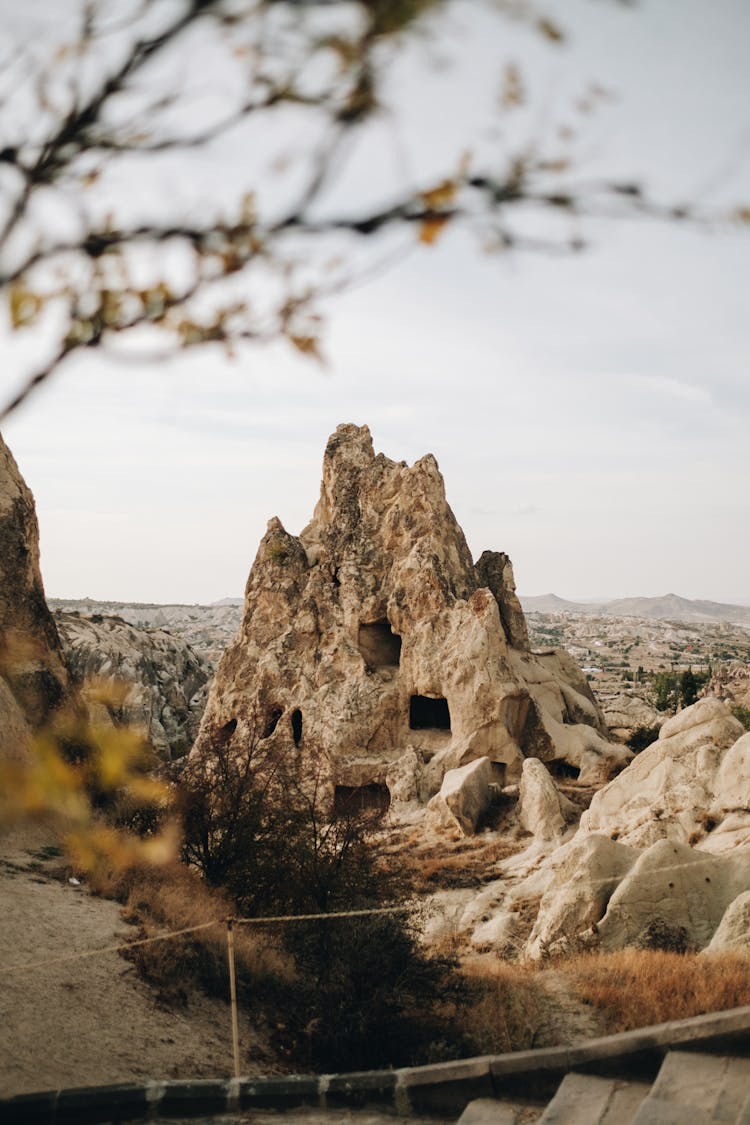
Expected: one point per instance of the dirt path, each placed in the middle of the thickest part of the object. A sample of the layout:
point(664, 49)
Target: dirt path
point(567, 1019)
point(91, 1021)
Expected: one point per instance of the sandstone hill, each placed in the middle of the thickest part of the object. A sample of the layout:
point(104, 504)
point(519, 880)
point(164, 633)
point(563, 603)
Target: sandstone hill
point(372, 641)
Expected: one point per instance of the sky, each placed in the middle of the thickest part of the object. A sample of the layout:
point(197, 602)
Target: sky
point(589, 413)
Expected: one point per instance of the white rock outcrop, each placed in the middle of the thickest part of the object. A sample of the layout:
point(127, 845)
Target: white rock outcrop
point(465, 795)
point(668, 790)
point(733, 931)
point(542, 809)
point(586, 874)
point(372, 638)
point(672, 893)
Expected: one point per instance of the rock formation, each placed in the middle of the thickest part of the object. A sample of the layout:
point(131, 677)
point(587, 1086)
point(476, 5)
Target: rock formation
point(34, 682)
point(372, 638)
point(161, 682)
point(661, 858)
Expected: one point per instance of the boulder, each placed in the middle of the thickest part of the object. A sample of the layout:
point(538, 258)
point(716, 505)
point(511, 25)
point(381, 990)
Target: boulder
point(733, 931)
point(373, 639)
point(542, 809)
point(466, 795)
point(667, 790)
point(586, 874)
point(673, 897)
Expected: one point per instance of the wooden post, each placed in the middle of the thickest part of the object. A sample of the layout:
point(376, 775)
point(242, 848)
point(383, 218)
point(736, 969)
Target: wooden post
point(233, 998)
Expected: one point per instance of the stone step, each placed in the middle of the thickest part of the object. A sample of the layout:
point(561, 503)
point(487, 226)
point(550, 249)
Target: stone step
point(586, 1099)
point(712, 1089)
point(489, 1111)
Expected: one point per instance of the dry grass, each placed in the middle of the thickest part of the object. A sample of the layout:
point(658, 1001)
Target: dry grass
point(426, 865)
point(173, 897)
point(504, 1008)
point(637, 987)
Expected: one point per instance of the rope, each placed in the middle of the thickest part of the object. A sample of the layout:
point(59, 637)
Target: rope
point(6, 970)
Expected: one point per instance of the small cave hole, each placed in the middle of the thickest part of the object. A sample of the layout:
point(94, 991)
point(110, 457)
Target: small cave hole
point(226, 732)
point(273, 722)
point(379, 646)
point(562, 770)
point(426, 713)
point(351, 800)
point(296, 721)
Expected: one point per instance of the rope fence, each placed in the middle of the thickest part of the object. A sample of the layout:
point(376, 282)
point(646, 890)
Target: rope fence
point(230, 923)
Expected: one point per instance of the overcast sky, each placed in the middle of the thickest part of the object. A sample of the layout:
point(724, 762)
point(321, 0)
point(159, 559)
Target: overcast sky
point(590, 415)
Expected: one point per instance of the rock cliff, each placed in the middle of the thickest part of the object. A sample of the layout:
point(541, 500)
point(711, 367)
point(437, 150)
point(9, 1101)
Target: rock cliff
point(34, 683)
point(161, 683)
point(373, 639)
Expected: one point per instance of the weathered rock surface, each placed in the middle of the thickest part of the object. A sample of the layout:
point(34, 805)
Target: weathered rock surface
point(372, 637)
point(161, 684)
point(586, 874)
point(625, 713)
point(668, 790)
point(31, 660)
point(731, 683)
point(673, 894)
point(733, 931)
point(465, 795)
point(542, 809)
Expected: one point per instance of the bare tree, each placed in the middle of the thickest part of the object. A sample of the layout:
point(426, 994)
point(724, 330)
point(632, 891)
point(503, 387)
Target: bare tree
point(100, 243)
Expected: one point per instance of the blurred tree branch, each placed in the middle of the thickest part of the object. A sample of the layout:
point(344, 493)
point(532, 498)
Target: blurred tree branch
point(78, 261)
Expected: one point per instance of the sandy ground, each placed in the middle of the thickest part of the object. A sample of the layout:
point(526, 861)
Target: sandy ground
point(91, 1021)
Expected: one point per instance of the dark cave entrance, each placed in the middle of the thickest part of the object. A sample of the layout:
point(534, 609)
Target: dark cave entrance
point(426, 713)
point(351, 800)
point(379, 646)
point(296, 721)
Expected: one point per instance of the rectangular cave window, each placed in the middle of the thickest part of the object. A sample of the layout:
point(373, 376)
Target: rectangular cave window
point(426, 713)
point(349, 800)
point(379, 646)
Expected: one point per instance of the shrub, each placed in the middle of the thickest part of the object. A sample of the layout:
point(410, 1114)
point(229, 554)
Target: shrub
point(743, 714)
point(643, 737)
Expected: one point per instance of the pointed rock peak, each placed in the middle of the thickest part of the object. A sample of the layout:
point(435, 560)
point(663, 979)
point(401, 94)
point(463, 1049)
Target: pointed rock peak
point(352, 442)
point(384, 650)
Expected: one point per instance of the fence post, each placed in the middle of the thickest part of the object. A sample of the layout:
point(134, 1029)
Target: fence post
point(233, 998)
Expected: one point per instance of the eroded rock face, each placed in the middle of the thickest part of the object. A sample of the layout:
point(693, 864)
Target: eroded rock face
point(372, 637)
point(465, 796)
point(31, 660)
point(542, 809)
point(669, 791)
point(160, 683)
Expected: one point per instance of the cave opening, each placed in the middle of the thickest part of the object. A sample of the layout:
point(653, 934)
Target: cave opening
point(273, 721)
point(379, 646)
point(562, 770)
point(296, 720)
point(428, 713)
point(352, 800)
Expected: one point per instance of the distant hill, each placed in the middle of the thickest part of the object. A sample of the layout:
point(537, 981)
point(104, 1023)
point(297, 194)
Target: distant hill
point(670, 607)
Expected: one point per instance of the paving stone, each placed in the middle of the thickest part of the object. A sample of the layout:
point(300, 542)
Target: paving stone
point(713, 1084)
point(656, 1111)
point(488, 1111)
point(586, 1099)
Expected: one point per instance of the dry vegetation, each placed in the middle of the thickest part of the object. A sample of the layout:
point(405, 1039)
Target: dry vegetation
point(173, 898)
point(638, 987)
point(425, 864)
